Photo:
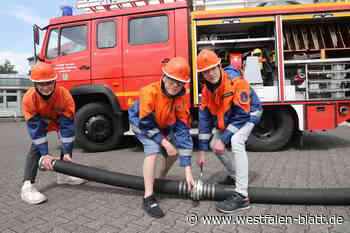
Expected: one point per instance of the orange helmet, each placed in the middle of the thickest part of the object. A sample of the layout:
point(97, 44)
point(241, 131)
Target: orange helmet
point(43, 72)
point(177, 68)
point(206, 60)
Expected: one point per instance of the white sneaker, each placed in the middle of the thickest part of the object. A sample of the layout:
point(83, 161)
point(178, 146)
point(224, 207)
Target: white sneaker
point(71, 180)
point(31, 195)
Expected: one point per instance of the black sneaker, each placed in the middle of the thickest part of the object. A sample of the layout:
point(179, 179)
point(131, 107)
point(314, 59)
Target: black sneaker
point(228, 181)
point(150, 205)
point(233, 203)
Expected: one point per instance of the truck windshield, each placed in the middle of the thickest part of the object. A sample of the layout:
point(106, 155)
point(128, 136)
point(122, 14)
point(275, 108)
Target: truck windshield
point(73, 39)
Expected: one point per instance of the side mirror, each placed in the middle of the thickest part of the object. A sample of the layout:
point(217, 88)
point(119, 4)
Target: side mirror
point(36, 34)
point(36, 39)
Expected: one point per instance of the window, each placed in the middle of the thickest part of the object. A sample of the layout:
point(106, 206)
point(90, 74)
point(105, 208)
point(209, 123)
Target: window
point(148, 30)
point(106, 34)
point(52, 47)
point(73, 39)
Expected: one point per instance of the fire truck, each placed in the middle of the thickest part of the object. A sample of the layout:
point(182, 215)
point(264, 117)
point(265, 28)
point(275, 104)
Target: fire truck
point(296, 57)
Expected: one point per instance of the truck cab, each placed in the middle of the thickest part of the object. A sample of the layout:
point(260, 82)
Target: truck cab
point(105, 57)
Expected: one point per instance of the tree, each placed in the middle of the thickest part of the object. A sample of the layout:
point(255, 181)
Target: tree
point(7, 68)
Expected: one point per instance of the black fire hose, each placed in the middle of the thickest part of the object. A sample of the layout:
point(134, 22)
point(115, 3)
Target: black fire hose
point(202, 191)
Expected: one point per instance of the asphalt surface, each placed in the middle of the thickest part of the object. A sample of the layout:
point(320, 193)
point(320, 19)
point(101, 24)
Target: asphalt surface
point(323, 162)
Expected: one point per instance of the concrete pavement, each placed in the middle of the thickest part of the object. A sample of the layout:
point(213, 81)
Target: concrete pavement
point(324, 161)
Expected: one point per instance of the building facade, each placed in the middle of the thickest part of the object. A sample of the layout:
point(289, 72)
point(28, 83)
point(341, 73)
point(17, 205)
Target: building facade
point(12, 89)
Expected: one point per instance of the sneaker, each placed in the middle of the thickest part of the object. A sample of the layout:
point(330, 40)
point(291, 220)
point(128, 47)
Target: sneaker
point(31, 195)
point(150, 205)
point(228, 181)
point(71, 180)
point(233, 203)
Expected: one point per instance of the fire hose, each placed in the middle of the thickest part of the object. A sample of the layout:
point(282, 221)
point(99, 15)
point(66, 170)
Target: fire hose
point(206, 191)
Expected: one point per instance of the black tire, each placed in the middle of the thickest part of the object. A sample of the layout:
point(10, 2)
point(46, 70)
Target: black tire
point(97, 128)
point(274, 131)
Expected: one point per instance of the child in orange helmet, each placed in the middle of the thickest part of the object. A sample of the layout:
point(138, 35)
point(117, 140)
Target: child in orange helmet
point(160, 120)
point(229, 110)
point(46, 108)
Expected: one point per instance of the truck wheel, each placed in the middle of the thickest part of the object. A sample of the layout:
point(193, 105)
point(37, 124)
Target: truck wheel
point(98, 129)
point(274, 131)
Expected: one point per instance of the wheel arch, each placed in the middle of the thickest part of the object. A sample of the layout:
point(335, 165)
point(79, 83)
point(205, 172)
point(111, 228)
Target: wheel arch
point(294, 110)
point(298, 116)
point(86, 94)
point(275, 130)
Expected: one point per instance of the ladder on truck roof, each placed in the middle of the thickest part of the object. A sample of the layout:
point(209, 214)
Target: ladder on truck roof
point(107, 5)
point(222, 4)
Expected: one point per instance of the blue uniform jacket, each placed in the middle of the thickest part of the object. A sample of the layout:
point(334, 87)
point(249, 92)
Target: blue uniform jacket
point(157, 115)
point(234, 118)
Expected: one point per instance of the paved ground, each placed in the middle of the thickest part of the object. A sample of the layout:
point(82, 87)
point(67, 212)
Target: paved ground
point(324, 161)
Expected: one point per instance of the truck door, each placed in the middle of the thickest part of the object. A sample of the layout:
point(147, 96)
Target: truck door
point(68, 49)
point(107, 53)
point(147, 42)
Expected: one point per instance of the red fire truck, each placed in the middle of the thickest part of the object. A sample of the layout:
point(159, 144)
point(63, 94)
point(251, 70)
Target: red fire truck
point(104, 56)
